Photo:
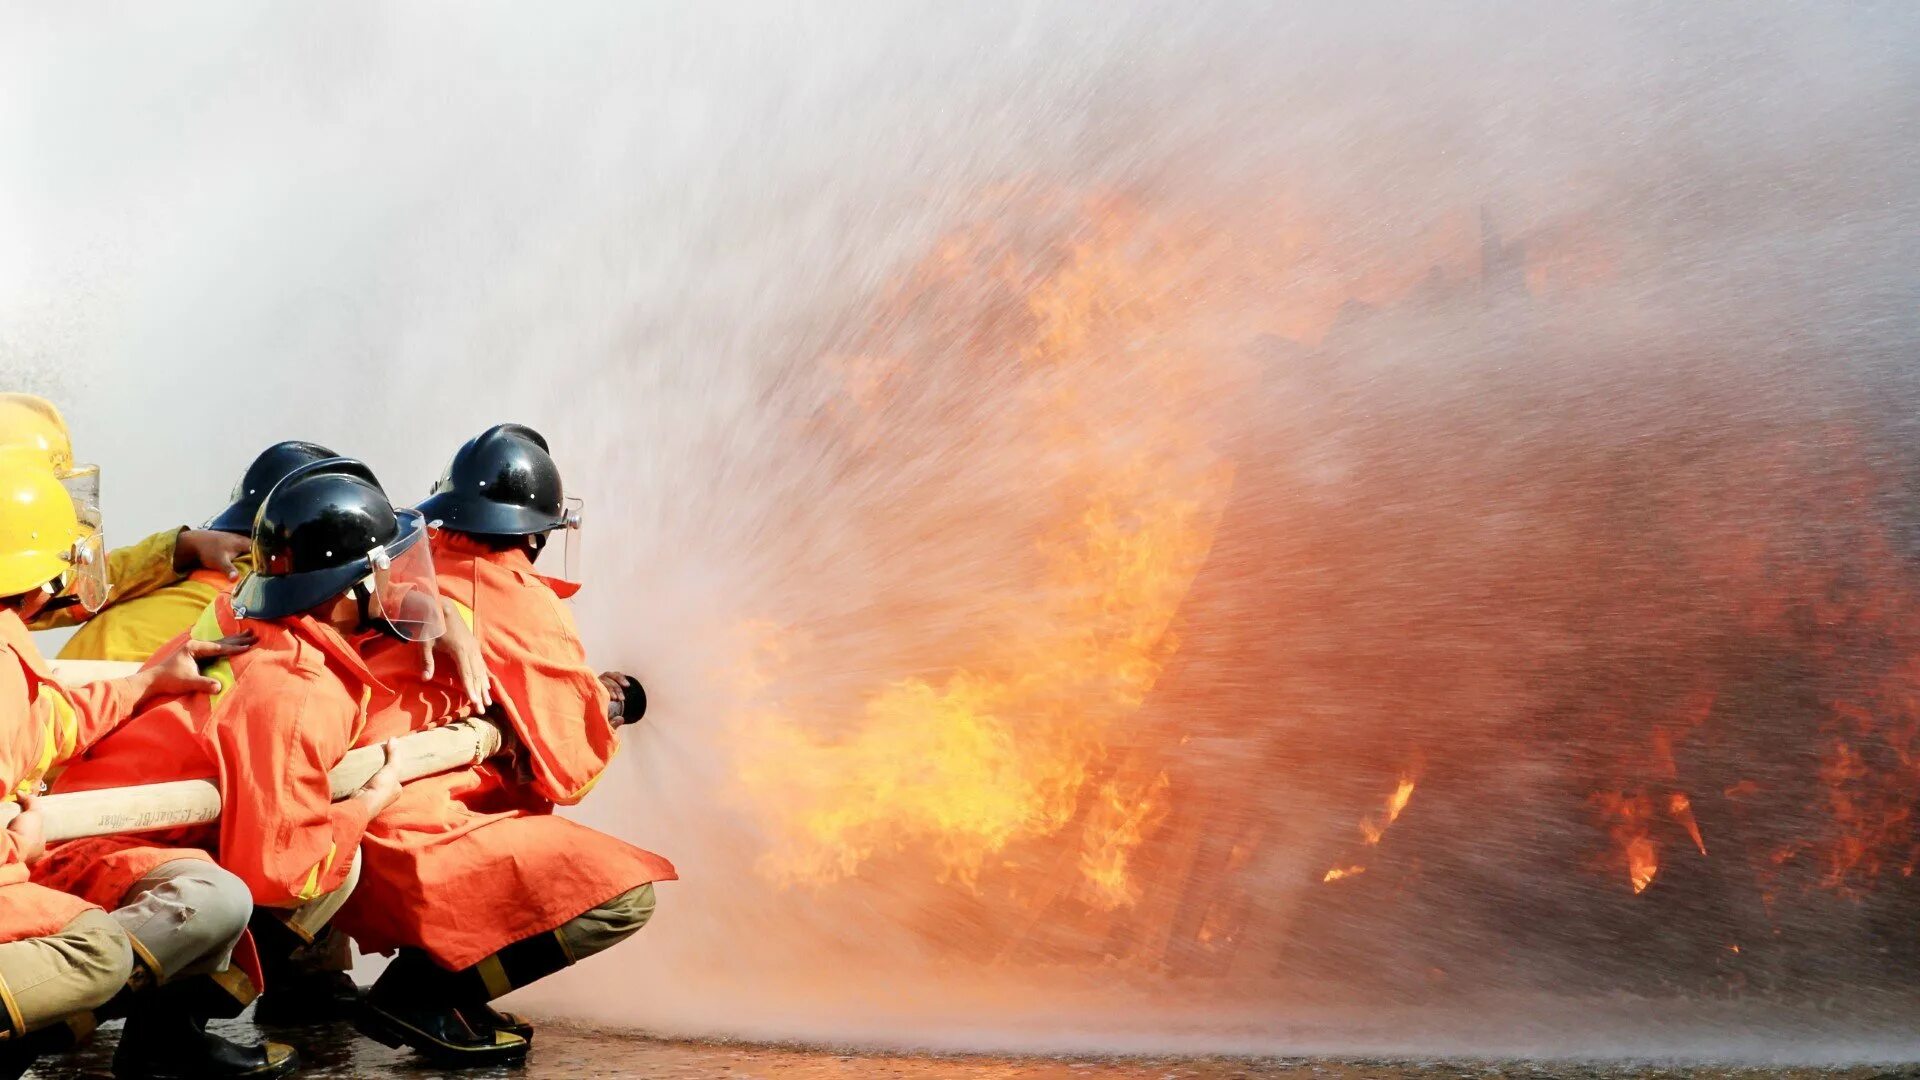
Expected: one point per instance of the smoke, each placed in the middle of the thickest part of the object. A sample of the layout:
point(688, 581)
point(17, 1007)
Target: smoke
point(767, 280)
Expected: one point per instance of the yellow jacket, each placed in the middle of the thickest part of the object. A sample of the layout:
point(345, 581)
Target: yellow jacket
point(136, 629)
point(138, 572)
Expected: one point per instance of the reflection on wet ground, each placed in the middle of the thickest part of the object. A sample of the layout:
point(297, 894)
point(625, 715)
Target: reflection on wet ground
point(564, 1054)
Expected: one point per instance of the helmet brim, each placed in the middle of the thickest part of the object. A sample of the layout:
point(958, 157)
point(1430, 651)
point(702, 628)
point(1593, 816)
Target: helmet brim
point(452, 511)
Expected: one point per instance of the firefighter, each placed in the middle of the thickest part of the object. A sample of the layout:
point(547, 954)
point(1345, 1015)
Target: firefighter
point(31, 422)
point(332, 558)
point(62, 957)
point(536, 892)
point(133, 628)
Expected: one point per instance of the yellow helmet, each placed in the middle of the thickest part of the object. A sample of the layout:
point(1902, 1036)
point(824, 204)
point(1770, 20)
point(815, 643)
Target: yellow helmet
point(29, 422)
point(42, 539)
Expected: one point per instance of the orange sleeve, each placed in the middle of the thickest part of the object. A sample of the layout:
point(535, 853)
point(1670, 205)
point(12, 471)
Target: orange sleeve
point(559, 708)
point(82, 714)
point(17, 713)
point(280, 830)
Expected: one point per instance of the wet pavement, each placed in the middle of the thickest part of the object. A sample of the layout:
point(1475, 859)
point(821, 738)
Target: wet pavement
point(563, 1053)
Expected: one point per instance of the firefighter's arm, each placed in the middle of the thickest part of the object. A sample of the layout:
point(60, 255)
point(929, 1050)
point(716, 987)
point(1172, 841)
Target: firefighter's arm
point(559, 704)
point(83, 714)
point(133, 571)
point(80, 715)
point(280, 831)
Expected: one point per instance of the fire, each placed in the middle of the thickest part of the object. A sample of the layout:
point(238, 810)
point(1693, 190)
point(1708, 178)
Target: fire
point(1592, 698)
point(1120, 822)
point(1629, 817)
point(1372, 830)
point(1005, 742)
point(1681, 808)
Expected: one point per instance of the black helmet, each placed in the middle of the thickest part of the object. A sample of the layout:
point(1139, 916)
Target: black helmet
point(273, 464)
point(313, 535)
point(501, 483)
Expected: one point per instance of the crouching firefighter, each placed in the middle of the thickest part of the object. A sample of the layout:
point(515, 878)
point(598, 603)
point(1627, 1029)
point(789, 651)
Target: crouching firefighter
point(135, 626)
point(331, 556)
point(62, 957)
point(470, 876)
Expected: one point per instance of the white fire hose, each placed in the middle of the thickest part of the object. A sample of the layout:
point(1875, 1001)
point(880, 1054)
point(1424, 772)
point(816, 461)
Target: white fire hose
point(154, 807)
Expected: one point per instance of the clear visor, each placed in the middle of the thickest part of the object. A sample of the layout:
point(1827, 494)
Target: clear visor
point(570, 565)
point(83, 487)
point(87, 578)
point(401, 590)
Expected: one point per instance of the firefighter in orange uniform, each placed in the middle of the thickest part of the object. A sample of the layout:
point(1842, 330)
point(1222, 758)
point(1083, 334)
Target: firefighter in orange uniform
point(470, 875)
point(32, 423)
point(332, 558)
point(135, 627)
point(61, 957)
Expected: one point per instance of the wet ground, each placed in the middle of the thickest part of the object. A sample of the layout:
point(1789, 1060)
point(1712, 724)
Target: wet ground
point(565, 1054)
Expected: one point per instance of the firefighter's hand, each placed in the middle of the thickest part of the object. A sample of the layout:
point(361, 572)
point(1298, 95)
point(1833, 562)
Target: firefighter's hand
point(384, 785)
point(208, 549)
point(179, 671)
point(623, 694)
point(28, 831)
point(461, 649)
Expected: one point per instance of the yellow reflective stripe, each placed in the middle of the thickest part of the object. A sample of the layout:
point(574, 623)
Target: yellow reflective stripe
point(589, 785)
point(493, 976)
point(49, 749)
point(207, 628)
point(466, 613)
point(16, 1025)
point(68, 723)
point(311, 890)
point(220, 671)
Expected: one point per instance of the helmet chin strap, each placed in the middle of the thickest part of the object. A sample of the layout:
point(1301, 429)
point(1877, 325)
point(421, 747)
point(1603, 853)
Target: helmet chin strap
point(362, 593)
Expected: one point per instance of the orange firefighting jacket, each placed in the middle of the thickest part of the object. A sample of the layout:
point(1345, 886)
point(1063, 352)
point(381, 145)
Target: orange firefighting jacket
point(468, 862)
point(42, 726)
point(291, 708)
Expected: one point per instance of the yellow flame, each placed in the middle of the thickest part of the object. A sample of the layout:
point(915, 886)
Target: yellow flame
point(1340, 872)
point(1642, 864)
point(1008, 745)
point(1119, 823)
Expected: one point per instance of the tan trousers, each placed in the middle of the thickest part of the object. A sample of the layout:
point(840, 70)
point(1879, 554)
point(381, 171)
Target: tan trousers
point(185, 918)
point(47, 979)
point(609, 924)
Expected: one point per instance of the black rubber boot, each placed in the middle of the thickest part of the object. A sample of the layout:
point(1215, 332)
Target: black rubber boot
point(308, 1000)
point(18, 1053)
point(16, 1058)
point(165, 1041)
point(487, 1016)
point(417, 1003)
point(307, 981)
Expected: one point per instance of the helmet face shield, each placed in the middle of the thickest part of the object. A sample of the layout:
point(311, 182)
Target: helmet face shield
point(401, 590)
point(83, 487)
point(87, 578)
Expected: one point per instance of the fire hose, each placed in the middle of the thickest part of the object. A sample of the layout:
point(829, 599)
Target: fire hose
point(153, 807)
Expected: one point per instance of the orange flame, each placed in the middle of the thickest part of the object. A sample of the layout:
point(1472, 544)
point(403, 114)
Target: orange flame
point(1681, 808)
point(1007, 746)
point(1629, 818)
